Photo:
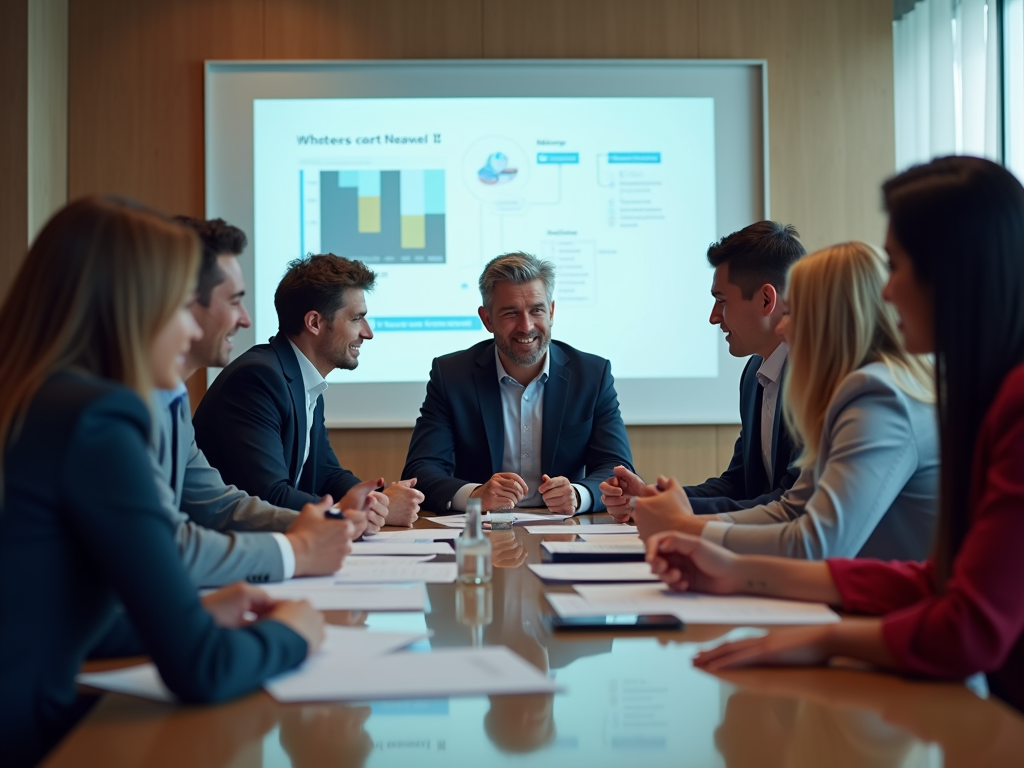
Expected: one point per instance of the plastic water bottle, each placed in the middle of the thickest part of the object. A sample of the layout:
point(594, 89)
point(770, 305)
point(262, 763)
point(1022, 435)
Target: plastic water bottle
point(473, 549)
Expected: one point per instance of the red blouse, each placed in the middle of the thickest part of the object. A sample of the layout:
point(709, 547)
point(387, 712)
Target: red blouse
point(977, 623)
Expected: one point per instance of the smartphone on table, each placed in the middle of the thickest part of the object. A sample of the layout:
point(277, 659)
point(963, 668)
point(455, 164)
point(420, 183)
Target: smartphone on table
point(616, 623)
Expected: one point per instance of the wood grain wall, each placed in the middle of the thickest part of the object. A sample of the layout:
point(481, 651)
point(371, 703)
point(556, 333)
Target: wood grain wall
point(135, 109)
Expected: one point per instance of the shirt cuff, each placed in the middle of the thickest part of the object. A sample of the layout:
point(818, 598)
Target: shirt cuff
point(586, 500)
point(714, 531)
point(287, 554)
point(462, 496)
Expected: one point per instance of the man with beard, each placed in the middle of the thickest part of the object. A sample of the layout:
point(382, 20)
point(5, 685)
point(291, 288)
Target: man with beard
point(498, 422)
point(262, 422)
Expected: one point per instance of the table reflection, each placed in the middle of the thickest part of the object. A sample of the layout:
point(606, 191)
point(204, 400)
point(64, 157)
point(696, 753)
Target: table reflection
point(629, 701)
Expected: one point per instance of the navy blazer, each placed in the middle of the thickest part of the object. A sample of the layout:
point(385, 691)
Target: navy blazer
point(251, 425)
point(459, 436)
point(745, 483)
point(82, 531)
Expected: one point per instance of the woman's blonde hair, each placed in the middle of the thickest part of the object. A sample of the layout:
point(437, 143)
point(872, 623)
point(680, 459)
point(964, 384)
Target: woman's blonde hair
point(839, 323)
point(99, 283)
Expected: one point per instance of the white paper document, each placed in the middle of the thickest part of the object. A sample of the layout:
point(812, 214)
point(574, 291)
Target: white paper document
point(691, 607)
point(440, 673)
point(433, 573)
point(401, 548)
point(595, 547)
point(582, 530)
point(611, 538)
point(325, 595)
point(413, 534)
point(340, 643)
point(594, 571)
point(362, 561)
point(518, 516)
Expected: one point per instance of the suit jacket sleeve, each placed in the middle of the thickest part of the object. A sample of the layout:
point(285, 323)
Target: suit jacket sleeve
point(332, 477)
point(712, 505)
point(431, 457)
point(609, 444)
point(125, 531)
point(252, 415)
point(214, 558)
point(207, 500)
point(974, 623)
point(872, 454)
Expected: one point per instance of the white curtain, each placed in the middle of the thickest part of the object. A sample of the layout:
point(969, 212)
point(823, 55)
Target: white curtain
point(945, 56)
point(1013, 85)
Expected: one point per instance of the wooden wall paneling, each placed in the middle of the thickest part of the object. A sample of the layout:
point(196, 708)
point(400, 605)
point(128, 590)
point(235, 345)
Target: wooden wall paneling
point(689, 453)
point(830, 99)
point(382, 29)
point(47, 111)
point(606, 29)
point(370, 453)
point(13, 139)
point(136, 93)
point(725, 440)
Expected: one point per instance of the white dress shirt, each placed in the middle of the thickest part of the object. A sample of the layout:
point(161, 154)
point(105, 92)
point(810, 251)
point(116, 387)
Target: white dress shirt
point(769, 376)
point(522, 412)
point(315, 385)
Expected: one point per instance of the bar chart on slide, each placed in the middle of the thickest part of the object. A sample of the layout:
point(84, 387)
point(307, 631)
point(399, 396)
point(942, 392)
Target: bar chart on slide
point(376, 216)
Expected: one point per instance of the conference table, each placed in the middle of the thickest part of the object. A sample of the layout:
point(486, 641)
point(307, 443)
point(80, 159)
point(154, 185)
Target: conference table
point(629, 699)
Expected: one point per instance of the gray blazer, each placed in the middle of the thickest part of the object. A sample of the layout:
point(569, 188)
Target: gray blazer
point(873, 492)
point(216, 524)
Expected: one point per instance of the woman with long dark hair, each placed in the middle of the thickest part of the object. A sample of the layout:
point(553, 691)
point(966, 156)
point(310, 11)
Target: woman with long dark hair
point(956, 252)
point(98, 316)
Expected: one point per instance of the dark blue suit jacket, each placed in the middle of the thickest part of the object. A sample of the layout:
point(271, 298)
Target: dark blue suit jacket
point(460, 435)
point(745, 484)
point(251, 425)
point(82, 531)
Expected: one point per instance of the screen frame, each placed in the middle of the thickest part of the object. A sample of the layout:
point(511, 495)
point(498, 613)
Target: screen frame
point(228, 85)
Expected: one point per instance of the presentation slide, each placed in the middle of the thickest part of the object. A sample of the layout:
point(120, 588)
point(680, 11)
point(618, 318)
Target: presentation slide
point(618, 193)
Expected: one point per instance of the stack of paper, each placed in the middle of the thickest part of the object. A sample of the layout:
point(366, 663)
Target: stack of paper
point(413, 534)
point(401, 548)
point(518, 516)
point(593, 551)
point(594, 572)
point(692, 608)
point(606, 528)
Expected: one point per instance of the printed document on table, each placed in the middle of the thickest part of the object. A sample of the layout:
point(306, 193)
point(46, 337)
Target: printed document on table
point(441, 673)
point(694, 608)
point(413, 534)
point(325, 595)
point(593, 571)
point(518, 516)
point(432, 573)
point(402, 548)
point(340, 643)
point(596, 547)
point(362, 561)
point(581, 530)
point(611, 538)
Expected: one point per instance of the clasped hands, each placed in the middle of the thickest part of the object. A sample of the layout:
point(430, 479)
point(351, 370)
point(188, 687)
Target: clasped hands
point(505, 490)
point(662, 506)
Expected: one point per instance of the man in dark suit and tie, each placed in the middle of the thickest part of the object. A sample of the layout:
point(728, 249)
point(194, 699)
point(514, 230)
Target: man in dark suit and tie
point(262, 422)
point(748, 286)
point(519, 420)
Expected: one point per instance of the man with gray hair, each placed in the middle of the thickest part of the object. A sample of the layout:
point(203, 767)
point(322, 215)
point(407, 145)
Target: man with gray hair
point(498, 422)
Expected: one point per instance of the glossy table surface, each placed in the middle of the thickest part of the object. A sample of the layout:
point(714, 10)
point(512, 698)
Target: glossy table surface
point(629, 700)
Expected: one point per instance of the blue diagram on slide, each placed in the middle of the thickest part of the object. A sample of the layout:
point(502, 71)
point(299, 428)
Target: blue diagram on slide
point(496, 171)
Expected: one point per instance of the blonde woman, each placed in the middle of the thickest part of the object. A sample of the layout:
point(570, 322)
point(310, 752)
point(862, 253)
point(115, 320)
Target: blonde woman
point(96, 318)
point(863, 410)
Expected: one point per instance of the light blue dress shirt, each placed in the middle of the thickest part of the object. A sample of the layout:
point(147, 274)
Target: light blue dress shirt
point(522, 413)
